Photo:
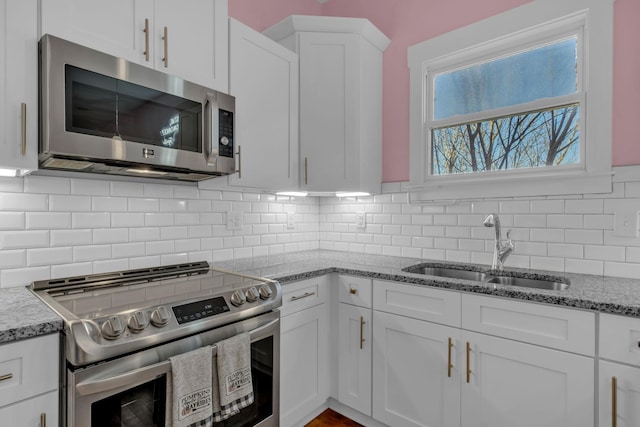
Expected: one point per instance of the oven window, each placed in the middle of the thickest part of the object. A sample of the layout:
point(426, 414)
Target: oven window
point(143, 405)
point(262, 378)
point(103, 106)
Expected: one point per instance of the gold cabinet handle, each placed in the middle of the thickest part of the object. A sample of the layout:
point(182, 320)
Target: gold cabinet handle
point(6, 377)
point(306, 170)
point(353, 291)
point(362, 322)
point(23, 128)
point(449, 365)
point(614, 401)
point(468, 362)
point(43, 420)
point(239, 163)
point(305, 295)
point(146, 39)
point(166, 47)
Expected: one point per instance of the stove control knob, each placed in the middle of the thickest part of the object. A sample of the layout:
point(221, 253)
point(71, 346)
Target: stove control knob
point(138, 321)
point(112, 328)
point(252, 294)
point(160, 317)
point(238, 298)
point(265, 292)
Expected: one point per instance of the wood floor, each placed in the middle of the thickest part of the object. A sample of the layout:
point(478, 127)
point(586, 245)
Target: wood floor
point(333, 419)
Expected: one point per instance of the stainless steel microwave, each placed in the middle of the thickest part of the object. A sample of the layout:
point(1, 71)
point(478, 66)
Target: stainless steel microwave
point(103, 114)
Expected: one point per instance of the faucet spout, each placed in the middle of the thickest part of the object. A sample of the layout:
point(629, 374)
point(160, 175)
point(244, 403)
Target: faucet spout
point(500, 251)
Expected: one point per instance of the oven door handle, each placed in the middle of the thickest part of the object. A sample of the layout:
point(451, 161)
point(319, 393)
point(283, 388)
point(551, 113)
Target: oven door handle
point(90, 387)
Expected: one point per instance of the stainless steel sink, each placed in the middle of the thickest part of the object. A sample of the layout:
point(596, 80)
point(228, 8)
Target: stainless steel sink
point(447, 272)
point(554, 284)
point(529, 283)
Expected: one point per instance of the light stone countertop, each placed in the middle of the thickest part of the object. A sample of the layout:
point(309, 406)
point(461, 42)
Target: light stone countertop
point(23, 315)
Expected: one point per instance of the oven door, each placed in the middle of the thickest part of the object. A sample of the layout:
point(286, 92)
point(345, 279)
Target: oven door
point(131, 391)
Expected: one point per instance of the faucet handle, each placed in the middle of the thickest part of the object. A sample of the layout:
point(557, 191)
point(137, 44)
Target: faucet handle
point(510, 242)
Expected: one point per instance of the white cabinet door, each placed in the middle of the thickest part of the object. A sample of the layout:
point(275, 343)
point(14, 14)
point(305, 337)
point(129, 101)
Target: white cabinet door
point(516, 384)
point(19, 84)
point(354, 357)
point(196, 47)
point(416, 372)
point(304, 363)
point(621, 401)
point(39, 411)
point(329, 70)
point(115, 27)
point(264, 79)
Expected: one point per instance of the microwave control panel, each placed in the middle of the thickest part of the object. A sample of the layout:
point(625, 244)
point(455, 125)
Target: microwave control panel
point(225, 133)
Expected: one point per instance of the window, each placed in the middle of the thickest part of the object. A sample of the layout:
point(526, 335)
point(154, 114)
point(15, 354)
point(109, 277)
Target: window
point(499, 108)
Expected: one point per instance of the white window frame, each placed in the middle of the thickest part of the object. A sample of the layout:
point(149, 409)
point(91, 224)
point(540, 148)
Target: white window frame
point(514, 30)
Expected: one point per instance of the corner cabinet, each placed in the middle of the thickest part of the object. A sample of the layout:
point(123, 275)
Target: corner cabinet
point(188, 40)
point(264, 79)
point(304, 350)
point(340, 100)
point(29, 382)
point(19, 85)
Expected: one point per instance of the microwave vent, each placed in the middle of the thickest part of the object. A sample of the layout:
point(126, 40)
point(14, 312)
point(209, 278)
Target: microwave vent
point(68, 164)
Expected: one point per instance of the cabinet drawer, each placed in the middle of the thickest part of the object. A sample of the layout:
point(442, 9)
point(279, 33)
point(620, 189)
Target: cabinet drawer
point(30, 367)
point(304, 294)
point(555, 327)
point(620, 338)
point(419, 302)
point(354, 290)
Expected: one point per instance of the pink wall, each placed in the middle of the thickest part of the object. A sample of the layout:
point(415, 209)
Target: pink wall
point(407, 22)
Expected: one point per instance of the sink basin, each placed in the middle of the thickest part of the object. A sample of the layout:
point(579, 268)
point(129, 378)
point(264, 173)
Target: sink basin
point(447, 272)
point(529, 283)
point(552, 283)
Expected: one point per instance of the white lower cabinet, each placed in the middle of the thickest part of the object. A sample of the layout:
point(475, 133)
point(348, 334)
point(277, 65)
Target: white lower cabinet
point(304, 350)
point(39, 411)
point(415, 372)
point(29, 382)
point(619, 375)
point(509, 383)
point(354, 357)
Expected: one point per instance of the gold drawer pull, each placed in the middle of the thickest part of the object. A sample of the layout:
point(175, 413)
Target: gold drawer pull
point(614, 401)
point(362, 322)
point(43, 420)
point(6, 377)
point(353, 291)
point(449, 365)
point(146, 39)
point(468, 362)
point(305, 295)
point(166, 47)
point(23, 129)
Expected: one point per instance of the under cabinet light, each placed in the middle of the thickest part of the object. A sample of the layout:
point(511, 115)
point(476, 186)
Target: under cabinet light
point(292, 193)
point(352, 194)
point(8, 172)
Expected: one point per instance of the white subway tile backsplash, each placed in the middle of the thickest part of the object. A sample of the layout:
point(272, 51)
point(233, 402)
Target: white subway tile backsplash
point(23, 276)
point(46, 185)
point(90, 220)
point(144, 234)
point(546, 263)
point(12, 220)
point(128, 250)
point(173, 233)
point(23, 202)
point(126, 189)
point(48, 220)
point(158, 219)
point(564, 221)
point(633, 255)
point(584, 266)
point(127, 220)
point(13, 259)
point(565, 250)
point(547, 206)
point(620, 269)
point(24, 239)
point(71, 237)
point(62, 203)
point(143, 205)
point(48, 256)
point(605, 253)
point(592, 206)
point(91, 253)
point(89, 187)
point(109, 204)
point(599, 222)
point(546, 235)
point(110, 235)
point(515, 207)
point(593, 237)
point(71, 270)
point(159, 248)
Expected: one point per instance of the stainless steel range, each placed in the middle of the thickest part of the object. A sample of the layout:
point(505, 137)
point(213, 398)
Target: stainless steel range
point(121, 328)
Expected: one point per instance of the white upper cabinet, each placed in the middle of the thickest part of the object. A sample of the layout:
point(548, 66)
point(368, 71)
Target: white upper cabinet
point(18, 86)
point(264, 79)
point(188, 40)
point(340, 100)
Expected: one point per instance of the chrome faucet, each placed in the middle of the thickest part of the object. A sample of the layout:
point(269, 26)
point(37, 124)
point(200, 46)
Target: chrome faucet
point(500, 251)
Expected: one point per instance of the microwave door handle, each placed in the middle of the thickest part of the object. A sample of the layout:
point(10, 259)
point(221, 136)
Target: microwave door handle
point(212, 129)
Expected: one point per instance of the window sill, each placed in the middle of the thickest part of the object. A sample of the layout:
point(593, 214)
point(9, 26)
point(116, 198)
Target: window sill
point(474, 187)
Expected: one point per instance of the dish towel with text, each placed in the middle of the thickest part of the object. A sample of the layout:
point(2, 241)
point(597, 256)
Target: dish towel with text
point(233, 371)
point(191, 389)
